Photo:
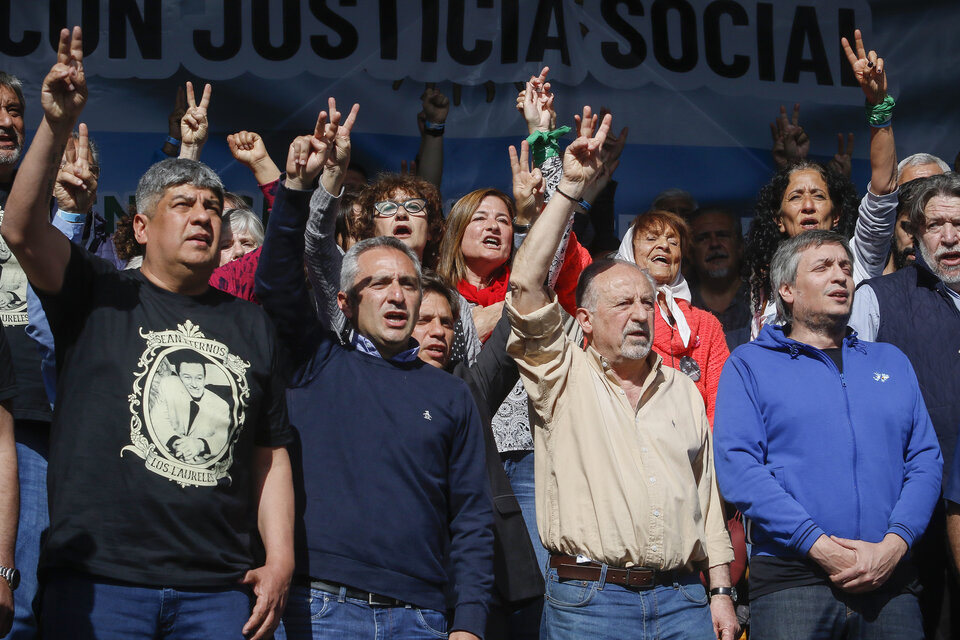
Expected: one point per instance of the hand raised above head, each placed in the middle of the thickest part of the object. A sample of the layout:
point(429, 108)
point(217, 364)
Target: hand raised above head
point(64, 90)
point(868, 68)
point(791, 144)
point(247, 147)
point(436, 106)
point(582, 159)
point(194, 127)
point(528, 184)
point(75, 187)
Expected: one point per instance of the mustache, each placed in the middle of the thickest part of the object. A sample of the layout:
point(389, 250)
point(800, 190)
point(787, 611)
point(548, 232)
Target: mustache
point(717, 254)
point(13, 133)
point(636, 326)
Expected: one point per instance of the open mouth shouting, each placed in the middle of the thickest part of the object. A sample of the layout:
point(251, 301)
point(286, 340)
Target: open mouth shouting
point(396, 319)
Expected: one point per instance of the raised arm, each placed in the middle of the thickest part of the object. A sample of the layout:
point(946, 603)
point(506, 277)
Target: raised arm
point(869, 71)
point(323, 256)
point(194, 128)
point(432, 120)
point(279, 279)
point(42, 251)
point(581, 164)
point(248, 149)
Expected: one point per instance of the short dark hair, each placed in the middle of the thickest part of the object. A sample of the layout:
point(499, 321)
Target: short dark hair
point(734, 218)
point(433, 281)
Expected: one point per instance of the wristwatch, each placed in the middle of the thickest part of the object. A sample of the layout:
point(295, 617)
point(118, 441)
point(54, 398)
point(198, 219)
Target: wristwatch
point(12, 576)
point(725, 591)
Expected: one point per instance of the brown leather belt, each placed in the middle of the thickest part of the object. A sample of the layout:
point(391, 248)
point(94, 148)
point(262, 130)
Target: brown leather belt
point(638, 577)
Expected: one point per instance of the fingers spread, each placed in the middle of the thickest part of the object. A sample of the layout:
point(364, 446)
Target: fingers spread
point(347, 126)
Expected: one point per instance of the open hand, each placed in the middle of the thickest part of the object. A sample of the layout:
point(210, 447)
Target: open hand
point(270, 586)
point(64, 89)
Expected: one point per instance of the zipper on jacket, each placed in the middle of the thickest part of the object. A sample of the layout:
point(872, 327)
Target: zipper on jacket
point(846, 401)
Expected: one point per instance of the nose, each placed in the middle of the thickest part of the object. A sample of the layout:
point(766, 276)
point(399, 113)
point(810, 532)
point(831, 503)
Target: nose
point(950, 235)
point(806, 204)
point(435, 329)
point(5, 119)
point(395, 293)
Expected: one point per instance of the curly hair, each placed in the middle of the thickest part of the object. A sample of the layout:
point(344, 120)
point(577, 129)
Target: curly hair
point(765, 236)
point(124, 242)
point(385, 187)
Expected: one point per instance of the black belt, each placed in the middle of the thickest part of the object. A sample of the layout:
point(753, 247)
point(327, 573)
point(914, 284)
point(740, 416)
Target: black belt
point(373, 599)
point(637, 577)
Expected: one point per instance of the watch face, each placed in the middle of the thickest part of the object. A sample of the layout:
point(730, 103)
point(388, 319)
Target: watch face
point(14, 579)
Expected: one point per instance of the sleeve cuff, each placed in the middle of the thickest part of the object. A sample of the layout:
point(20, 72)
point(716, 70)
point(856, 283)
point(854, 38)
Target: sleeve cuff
point(807, 534)
point(903, 532)
point(470, 617)
point(537, 324)
point(888, 198)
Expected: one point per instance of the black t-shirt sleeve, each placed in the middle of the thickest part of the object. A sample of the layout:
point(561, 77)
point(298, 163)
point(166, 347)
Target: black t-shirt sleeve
point(273, 428)
point(8, 382)
point(67, 310)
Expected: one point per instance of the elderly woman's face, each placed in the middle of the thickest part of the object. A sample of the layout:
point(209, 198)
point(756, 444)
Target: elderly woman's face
point(235, 245)
point(806, 204)
point(658, 251)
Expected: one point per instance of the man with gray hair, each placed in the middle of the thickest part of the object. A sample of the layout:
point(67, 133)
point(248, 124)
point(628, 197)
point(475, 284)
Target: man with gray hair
point(395, 497)
point(627, 503)
point(918, 310)
point(147, 539)
point(824, 443)
point(911, 168)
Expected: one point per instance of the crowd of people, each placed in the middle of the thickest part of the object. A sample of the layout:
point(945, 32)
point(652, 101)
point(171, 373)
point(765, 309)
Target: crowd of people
point(373, 419)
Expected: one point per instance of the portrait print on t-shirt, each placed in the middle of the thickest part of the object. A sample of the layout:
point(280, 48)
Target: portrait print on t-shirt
point(187, 406)
point(13, 287)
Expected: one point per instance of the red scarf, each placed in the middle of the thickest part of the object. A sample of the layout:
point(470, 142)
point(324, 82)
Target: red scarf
point(496, 292)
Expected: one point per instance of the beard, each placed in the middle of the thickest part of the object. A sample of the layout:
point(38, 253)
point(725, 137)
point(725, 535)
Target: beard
point(951, 277)
point(631, 349)
point(902, 257)
point(9, 157)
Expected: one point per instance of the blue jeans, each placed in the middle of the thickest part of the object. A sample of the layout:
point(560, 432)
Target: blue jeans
point(32, 452)
point(312, 613)
point(81, 607)
point(518, 466)
point(577, 609)
point(524, 622)
point(818, 612)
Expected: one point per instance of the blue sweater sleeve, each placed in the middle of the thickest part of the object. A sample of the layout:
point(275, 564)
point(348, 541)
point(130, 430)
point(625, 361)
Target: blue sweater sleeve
point(279, 283)
point(471, 523)
point(740, 443)
point(923, 468)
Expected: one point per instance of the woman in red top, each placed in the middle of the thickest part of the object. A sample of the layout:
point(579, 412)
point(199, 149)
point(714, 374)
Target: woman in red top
point(687, 338)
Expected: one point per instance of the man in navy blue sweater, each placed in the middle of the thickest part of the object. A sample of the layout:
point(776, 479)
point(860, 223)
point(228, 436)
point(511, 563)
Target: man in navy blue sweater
point(824, 442)
point(393, 456)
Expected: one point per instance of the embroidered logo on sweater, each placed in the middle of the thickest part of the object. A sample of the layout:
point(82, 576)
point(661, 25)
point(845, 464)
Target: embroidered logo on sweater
point(427, 416)
point(187, 406)
point(880, 377)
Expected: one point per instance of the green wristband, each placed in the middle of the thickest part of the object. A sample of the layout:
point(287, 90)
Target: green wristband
point(544, 144)
point(880, 115)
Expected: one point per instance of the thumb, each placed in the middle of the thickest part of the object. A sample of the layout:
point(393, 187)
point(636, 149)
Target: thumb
point(250, 577)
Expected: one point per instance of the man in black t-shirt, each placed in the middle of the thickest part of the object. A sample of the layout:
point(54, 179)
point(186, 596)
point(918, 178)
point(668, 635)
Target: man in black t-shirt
point(147, 538)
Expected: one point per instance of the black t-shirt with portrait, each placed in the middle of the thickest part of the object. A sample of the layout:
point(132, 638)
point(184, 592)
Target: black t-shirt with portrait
point(161, 399)
point(31, 402)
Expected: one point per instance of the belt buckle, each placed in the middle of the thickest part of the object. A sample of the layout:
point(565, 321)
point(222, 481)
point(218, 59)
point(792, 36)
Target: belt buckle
point(651, 572)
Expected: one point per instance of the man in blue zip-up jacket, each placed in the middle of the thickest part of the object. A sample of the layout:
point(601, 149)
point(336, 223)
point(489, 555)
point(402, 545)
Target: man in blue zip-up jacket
point(824, 442)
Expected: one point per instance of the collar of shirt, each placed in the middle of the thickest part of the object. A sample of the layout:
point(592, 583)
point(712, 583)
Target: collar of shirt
point(363, 345)
point(600, 364)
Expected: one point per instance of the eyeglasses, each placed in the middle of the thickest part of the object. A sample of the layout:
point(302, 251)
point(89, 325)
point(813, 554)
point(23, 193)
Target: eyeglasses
point(389, 208)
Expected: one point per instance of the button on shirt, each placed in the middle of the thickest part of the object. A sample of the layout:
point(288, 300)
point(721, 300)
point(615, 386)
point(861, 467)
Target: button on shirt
point(618, 486)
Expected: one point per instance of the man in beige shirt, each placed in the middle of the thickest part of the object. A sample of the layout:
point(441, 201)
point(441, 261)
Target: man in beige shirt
point(627, 501)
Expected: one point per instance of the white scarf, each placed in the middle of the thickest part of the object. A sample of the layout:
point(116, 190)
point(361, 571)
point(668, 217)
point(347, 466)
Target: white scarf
point(676, 289)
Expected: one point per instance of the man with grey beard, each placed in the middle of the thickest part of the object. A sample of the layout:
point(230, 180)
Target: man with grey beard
point(918, 310)
point(717, 253)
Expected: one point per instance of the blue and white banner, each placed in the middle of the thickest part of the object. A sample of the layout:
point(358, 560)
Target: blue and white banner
point(697, 81)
